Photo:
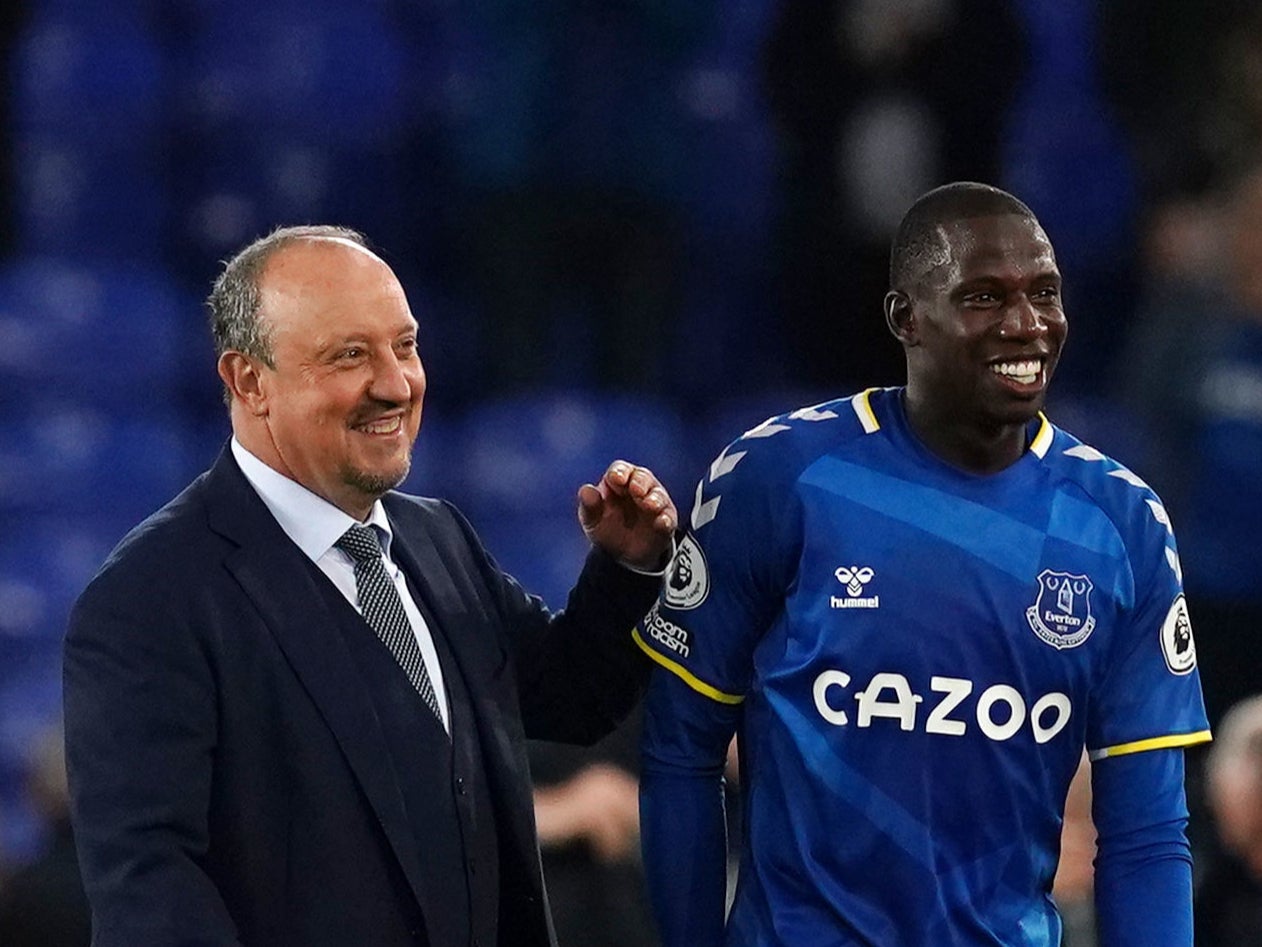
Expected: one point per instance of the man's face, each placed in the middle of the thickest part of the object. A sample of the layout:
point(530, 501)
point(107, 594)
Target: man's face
point(989, 322)
point(342, 406)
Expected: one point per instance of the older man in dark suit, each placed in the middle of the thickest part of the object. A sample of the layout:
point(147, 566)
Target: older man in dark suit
point(297, 701)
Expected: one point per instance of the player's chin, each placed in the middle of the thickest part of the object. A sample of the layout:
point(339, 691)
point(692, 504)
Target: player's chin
point(1014, 407)
point(1020, 413)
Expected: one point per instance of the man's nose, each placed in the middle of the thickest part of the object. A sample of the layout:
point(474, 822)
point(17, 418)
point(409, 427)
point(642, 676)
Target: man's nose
point(391, 380)
point(1022, 319)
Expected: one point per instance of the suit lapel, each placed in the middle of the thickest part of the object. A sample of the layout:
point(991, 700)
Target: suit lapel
point(417, 547)
point(425, 551)
point(276, 577)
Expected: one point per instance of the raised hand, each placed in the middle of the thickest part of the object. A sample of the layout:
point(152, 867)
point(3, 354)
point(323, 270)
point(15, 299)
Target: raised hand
point(630, 515)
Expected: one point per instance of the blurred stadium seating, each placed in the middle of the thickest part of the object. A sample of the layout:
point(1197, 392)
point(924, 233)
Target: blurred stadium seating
point(149, 139)
point(523, 459)
point(121, 338)
point(88, 104)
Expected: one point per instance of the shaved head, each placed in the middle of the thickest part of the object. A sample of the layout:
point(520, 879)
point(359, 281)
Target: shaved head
point(920, 244)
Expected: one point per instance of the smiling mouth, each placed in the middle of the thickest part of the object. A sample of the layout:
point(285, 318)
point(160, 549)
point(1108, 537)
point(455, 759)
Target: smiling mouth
point(383, 426)
point(1024, 371)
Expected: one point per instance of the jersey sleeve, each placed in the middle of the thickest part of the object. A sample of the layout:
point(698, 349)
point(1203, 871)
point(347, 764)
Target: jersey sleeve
point(728, 580)
point(1143, 866)
point(1151, 696)
point(683, 822)
point(722, 592)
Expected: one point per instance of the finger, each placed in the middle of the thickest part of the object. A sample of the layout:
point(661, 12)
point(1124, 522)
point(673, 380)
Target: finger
point(655, 500)
point(652, 502)
point(590, 504)
point(642, 482)
point(618, 474)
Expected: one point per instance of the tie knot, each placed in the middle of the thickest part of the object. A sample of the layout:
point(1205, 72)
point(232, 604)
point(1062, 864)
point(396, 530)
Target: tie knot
point(361, 543)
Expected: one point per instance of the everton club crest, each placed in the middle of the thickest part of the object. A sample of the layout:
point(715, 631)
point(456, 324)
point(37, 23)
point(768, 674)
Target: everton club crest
point(1061, 615)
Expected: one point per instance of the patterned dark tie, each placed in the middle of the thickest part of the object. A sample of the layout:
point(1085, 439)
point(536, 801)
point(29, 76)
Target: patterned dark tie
point(382, 608)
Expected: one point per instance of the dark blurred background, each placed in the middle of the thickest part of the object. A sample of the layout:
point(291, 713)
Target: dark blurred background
point(627, 228)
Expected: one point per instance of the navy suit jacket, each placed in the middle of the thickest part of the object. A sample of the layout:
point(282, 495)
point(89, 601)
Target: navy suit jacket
point(229, 777)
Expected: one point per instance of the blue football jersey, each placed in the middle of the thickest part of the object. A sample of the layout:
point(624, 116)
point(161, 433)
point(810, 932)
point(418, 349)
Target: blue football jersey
point(920, 656)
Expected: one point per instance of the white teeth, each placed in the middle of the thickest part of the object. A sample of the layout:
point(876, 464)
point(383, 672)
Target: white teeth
point(1026, 372)
point(388, 426)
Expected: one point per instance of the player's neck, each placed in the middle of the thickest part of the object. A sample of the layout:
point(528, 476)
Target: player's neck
point(970, 444)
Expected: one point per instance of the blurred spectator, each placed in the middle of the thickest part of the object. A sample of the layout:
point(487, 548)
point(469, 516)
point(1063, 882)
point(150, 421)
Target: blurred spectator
point(1186, 81)
point(1229, 894)
point(42, 904)
point(1193, 373)
point(1181, 318)
point(588, 813)
point(570, 165)
point(1065, 152)
point(876, 102)
point(1224, 495)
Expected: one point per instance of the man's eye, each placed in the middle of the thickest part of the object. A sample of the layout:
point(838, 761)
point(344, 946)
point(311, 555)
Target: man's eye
point(351, 353)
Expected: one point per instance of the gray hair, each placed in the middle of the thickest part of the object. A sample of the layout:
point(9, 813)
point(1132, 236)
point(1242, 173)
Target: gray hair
point(233, 303)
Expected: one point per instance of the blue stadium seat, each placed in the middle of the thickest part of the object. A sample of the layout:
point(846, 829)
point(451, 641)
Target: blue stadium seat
point(30, 704)
point(727, 123)
point(85, 199)
point(89, 109)
point(30, 606)
point(113, 337)
point(335, 70)
point(93, 79)
point(436, 459)
point(240, 186)
point(202, 12)
point(92, 14)
point(544, 552)
point(80, 461)
point(291, 113)
point(45, 561)
point(530, 454)
point(205, 438)
point(1106, 425)
point(1219, 531)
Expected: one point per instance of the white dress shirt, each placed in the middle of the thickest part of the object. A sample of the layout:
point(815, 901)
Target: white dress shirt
point(315, 524)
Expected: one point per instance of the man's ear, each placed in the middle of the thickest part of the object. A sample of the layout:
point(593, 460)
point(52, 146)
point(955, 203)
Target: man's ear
point(900, 317)
point(243, 377)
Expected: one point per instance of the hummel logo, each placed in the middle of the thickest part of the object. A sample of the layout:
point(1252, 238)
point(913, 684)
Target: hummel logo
point(854, 579)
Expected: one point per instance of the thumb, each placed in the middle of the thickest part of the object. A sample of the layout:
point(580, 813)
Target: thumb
point(590, 505)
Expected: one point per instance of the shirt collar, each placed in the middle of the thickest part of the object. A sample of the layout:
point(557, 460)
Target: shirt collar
point(312, 522)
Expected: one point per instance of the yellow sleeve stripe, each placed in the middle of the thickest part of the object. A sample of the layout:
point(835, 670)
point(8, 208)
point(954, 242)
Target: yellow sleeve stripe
point(862, 405)
point(700, 686)
point(1155, 743)
point(1043, 439)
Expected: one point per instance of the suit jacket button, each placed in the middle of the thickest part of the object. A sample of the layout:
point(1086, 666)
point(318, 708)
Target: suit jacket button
point(460, 785)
